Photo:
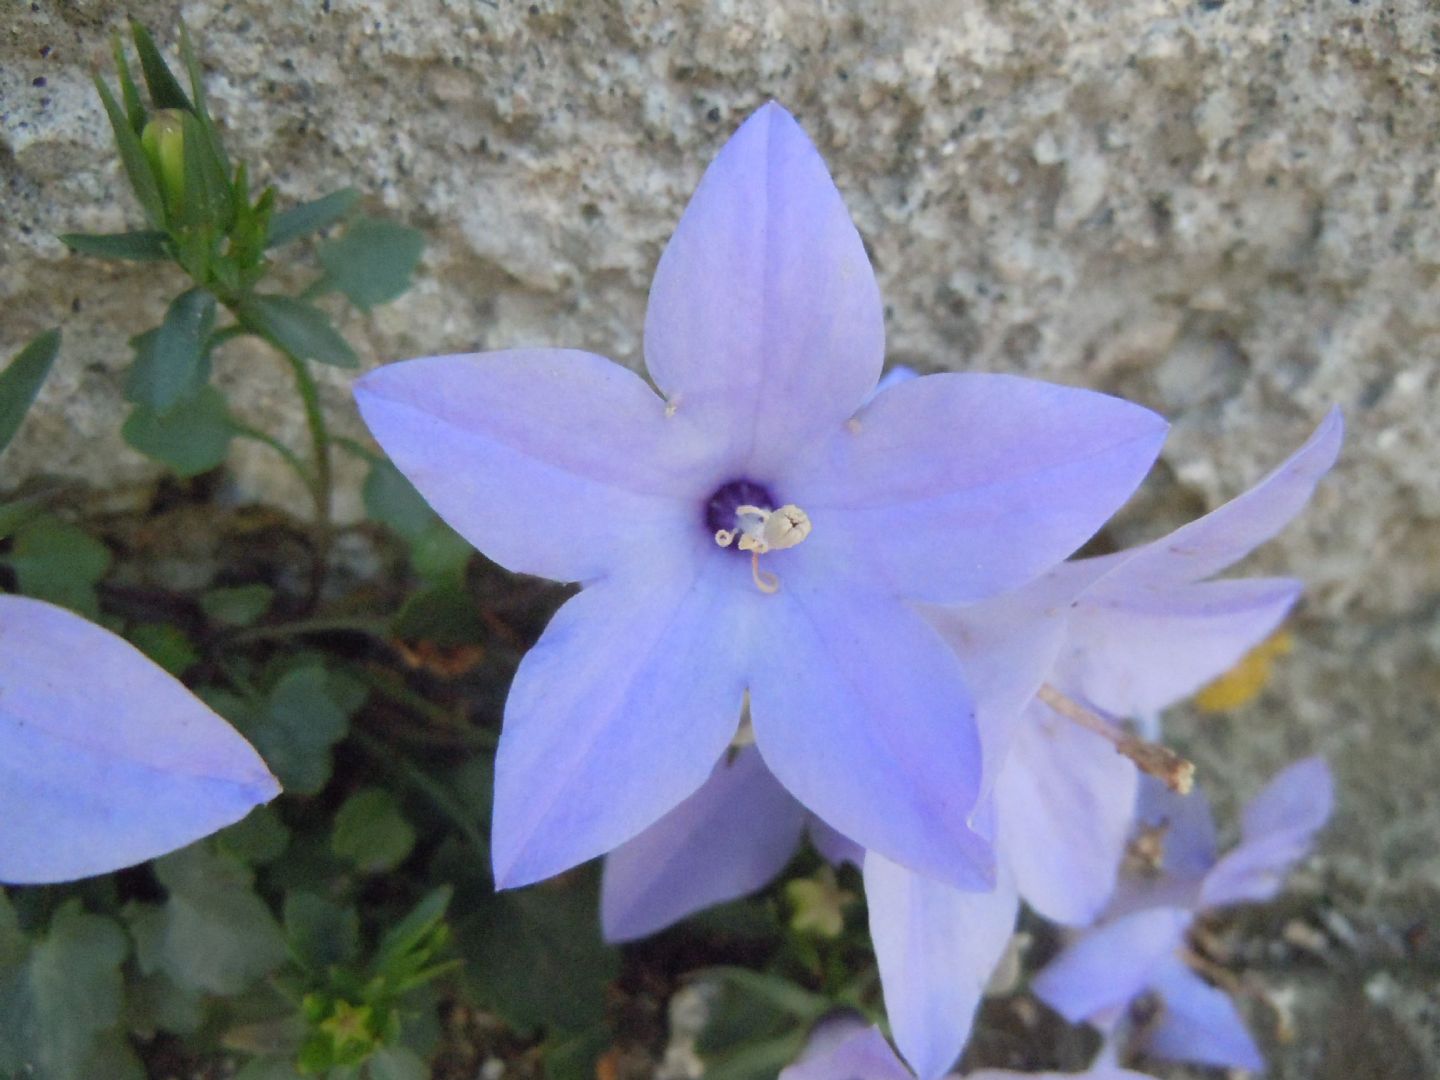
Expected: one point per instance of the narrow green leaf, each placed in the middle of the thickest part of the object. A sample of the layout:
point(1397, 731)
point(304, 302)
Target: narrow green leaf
point(144, 246)
point(191, 440)
point(373, 261)
point(306, 218)
point(202, 106)
point(170, 365)
point(297, 328)
point(209, 199)
point(132, 156)
point(165, 90)
point(410, 932)
point(129, 93)
point(21, 381)
point(779, 992)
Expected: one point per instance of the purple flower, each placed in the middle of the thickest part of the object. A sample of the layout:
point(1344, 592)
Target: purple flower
point(753, 530)
point(846, 1048)
point(1064, 800)
point(105, 760)
point(1138, 951)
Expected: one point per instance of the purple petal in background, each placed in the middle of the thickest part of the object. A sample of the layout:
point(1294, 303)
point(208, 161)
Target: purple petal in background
point(937, 947)
point(1109, 966)
point(860, 711)
point(105, 759)
point(726, 840)
point(1198, 1023)
point(618, 713)
point(764, 324)
point(550, 461)
point(1066, 800)
point(956, 487)
point(1189, 841)
point(1136, 651)
point(834, 847)
point(1226, 535)
point(1278, 828)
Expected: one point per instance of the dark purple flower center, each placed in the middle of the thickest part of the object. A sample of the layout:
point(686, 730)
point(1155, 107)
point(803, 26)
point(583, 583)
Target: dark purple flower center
point(720, 507)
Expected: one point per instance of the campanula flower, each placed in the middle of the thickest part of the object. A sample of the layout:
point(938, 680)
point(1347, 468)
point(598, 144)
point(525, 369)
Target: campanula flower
point(105, 759)
point(1064, 801)
point(1137, 956)
point(750, 528)
point(846, 1048)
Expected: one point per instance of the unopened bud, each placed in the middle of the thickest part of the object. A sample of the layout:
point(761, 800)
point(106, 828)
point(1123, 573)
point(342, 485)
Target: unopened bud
point(164, 142)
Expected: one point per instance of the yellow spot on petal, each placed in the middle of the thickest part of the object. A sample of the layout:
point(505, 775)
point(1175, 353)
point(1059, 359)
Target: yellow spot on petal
point(1243, 683)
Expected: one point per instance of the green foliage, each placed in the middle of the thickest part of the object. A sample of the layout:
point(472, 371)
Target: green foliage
point(56, 561)
point(297, 328)
point(239, 605)
point(167, 645)
point(303, 716)
point(191, 440)
point(21, 381)
point(172, 361)
point(145, 245)
point(371, 832)
point(311, 216)
point(372, 263)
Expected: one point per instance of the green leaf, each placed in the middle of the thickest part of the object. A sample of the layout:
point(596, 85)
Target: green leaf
point(573, 1056)
point(147, 245)
point(393, 501)
point(202, 107)
point(170, 364)
point(443, 614)
point(535, 959)
point(410, 933)
point(373, 261)
point(209, 199)
point(778, 992)
point(133, 157)
point(297, 328)
point(218, 936)
point(21, 380)
point(305, 714)
point(310, 216)
point(371, 832)
point(440, 555)
point(758, 1060)
point(396, 1063)
point(129, 93)
point(239, 605)
point(165, 91)
point(321, 933)
point(258, 838)
point(191, 440)
point(75, 989)
point(17, 512)
point(60, 562)
point(167, 645)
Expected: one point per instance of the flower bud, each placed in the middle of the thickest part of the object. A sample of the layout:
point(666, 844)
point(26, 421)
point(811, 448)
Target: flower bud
point(164, 143)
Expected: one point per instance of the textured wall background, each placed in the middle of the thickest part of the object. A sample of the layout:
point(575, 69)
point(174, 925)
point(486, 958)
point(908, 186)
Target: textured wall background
point(1226, 210)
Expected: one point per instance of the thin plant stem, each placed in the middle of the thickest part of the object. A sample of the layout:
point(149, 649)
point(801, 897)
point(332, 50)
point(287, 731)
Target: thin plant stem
point(335, 625)
point(292, 459)
point(324, 475)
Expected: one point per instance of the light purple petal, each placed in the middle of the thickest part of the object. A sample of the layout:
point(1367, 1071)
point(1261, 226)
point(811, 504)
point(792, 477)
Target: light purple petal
point(1136, 651)
point(1279, 825)
point(105, 759)
point(550, 461)
point(728, 839)
point(764, 323)
point(955, 487)
point(846, 1049)
point(834, 847)
point(937, 947)
point(1065, 802)
point(1099, 1072)
point(1109, 966)
point(619, 712)
point(1226, 535)
point(1198, 1023)
point(1189, 841)
point(860, 711)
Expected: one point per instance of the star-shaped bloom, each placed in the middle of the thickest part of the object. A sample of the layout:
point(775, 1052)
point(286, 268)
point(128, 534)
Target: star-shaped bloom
point(105, 759)
point(846, 1048)
point(1138, 951)
point(1063, 799)
point(751, 528)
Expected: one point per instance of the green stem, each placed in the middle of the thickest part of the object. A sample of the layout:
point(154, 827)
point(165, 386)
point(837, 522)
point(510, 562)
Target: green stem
point(360, 450)
point(334, 625)
point(324, 475)
point(403, 696)
point(292, 459)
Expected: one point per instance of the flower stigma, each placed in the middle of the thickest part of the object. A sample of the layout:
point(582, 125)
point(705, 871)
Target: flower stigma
point(737, 512)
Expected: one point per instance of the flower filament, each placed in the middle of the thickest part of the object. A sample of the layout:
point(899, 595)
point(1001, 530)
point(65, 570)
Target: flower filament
point(760, 531)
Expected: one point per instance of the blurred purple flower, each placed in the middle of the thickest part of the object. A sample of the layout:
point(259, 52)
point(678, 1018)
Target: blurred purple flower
point(1139, 949)
point(105, 759)
point(751, 530)
point(846, 1048)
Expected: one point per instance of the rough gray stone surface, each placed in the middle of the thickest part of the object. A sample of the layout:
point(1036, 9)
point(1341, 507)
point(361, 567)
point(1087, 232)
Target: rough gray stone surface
point(1224, 209)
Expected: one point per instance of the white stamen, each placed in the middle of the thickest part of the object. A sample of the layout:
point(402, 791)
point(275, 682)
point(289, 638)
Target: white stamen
point(761, 531)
